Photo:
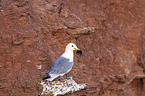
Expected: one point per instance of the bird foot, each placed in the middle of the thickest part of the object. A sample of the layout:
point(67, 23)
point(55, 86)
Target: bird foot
point(60, 79)
point(67, 78)
point(64, 78)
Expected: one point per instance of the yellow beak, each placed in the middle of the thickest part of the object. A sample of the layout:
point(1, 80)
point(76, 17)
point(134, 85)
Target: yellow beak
point(77, 49)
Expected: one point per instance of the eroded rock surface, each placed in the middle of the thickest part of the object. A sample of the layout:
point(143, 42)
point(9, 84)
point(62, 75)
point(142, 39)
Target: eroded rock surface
point(33, 33)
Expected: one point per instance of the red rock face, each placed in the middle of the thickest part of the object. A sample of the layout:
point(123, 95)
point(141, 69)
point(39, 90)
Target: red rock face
point(110, 34)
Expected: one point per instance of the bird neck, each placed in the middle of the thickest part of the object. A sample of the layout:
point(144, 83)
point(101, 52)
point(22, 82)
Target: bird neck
point(68, 54)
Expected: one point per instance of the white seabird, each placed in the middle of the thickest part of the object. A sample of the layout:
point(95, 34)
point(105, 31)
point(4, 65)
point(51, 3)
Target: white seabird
point(63, 64)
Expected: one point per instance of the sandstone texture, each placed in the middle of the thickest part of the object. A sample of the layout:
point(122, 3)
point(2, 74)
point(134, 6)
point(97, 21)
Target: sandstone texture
point(111, 34)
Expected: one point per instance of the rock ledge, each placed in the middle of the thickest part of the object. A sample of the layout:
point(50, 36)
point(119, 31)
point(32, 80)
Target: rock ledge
point(61, 87)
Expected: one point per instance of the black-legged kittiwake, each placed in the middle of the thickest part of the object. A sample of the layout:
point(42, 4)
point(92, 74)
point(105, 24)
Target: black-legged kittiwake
point(63, 64)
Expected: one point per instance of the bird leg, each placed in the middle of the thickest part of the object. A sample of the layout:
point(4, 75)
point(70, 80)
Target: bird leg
point(59, 79)
point(67, 77)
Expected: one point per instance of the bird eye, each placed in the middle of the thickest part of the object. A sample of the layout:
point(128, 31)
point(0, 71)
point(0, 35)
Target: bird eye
point(72, 45)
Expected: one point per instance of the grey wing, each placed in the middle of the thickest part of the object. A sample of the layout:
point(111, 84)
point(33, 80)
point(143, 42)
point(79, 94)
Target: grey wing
point(61, 66)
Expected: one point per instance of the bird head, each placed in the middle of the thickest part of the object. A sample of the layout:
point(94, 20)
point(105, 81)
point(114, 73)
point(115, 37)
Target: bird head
point(72, 46)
